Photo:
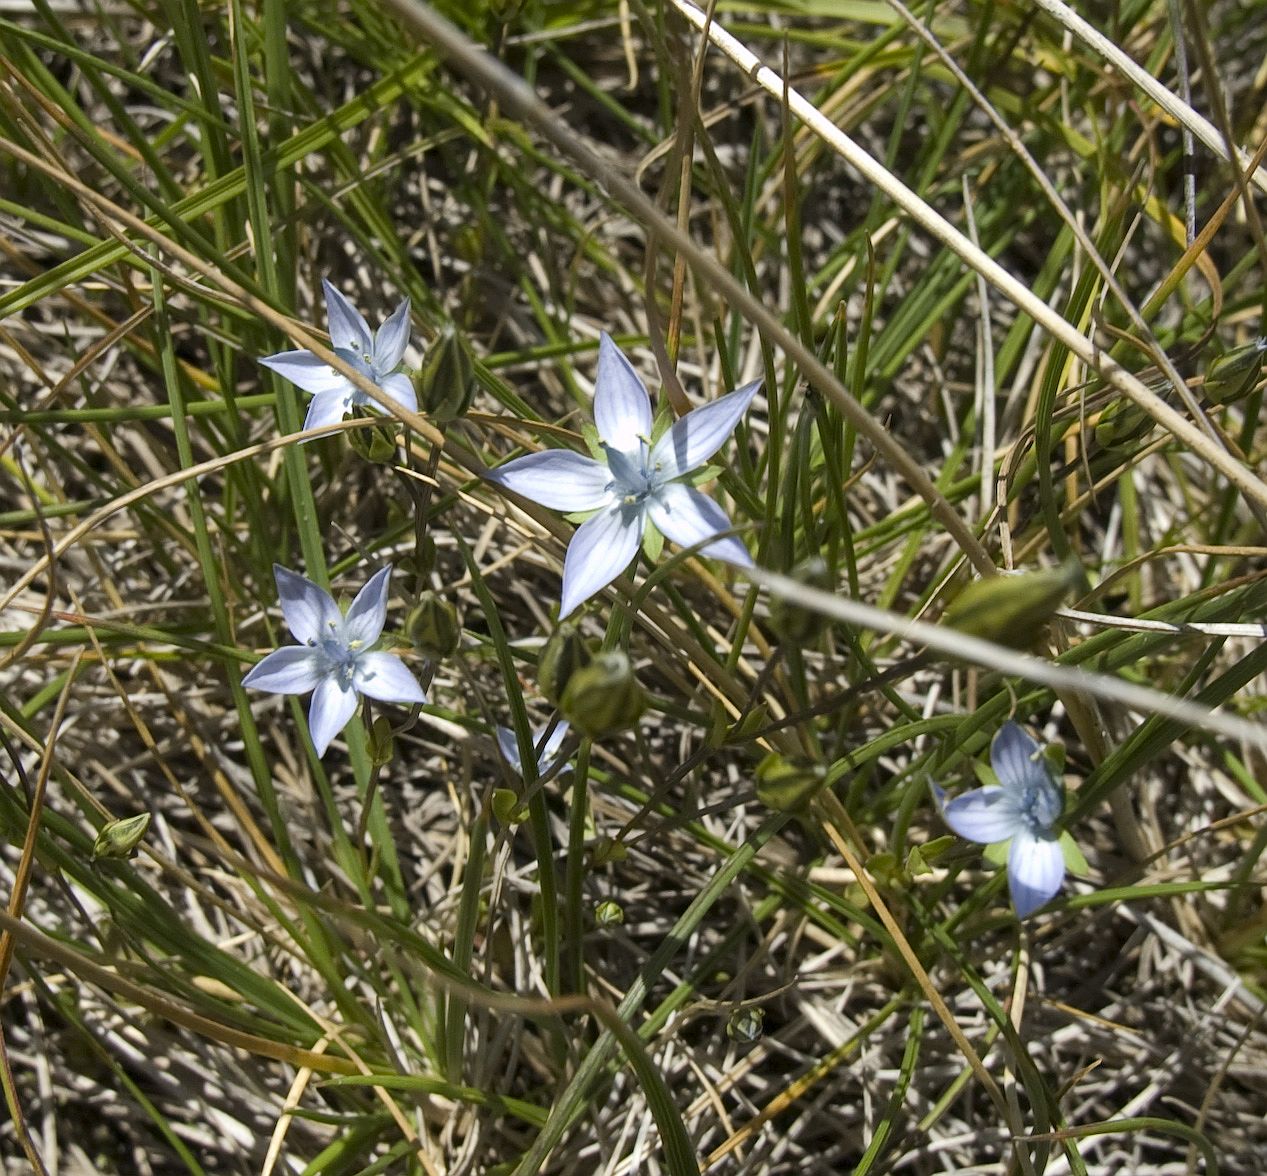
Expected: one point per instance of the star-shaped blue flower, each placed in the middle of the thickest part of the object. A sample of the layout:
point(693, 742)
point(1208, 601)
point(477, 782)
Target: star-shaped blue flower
point(635, 482)
point(375, 355)
point(337, 660)
point(1023, 809)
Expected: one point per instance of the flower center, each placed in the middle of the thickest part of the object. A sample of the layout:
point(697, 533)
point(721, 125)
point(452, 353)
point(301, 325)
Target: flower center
point(634, 478)
point(338, 657)
point(1039, 806)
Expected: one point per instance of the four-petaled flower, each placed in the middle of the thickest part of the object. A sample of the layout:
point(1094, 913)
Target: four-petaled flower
point(375, 355)
point(547, 753)
point(636, 481)
point(1022, 808)
point(337, 659)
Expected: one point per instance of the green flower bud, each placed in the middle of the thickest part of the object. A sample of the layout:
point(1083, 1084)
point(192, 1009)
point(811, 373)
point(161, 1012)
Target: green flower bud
point(1122, 424)
point(604, 697)
point(563, 654)
point(432, 626)
point(376, 443)
point(119, 839)
point(446, 381)
point(504, 10)
point(508, 808)
point(746, 728)
point(382, 742)
point(1012, 609)
point(607, 850)
point(468, 243)
point(609, 914)
point(788, 783)
point(1233, 375)
point(745, 1026)
point(793, 622)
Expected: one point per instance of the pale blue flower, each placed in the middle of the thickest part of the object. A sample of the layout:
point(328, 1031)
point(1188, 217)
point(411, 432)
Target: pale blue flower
point(337, 660)
point(1023, 808)
point(376, 356)
point(547, 753)
point(636, 482)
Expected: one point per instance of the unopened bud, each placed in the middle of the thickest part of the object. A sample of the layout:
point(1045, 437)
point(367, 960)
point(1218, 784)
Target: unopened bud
point(382, 742)
point(508, 808)
point(788, 783)
point(745, 1026)
point(1233, 375)
point(609, 914)
point(562, 655)
point(446, 381)
point(1122, 424)
point(1012, 609)
point(607, 850)
point(604, 697)
point(792, 621)
point(119, 839)
point(432, 626)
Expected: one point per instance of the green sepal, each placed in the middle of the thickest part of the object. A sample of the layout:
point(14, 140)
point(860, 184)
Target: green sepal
point(996, 852)
point(704, 474)
point(930, 851)
point(652, 543)
point(985, 774)
point(1075, 862)
point(788, 783)
point(883, 866)
point(919, 860)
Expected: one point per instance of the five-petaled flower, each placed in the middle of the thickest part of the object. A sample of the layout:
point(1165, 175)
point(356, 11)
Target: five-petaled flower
point(547, 752)
point(1022, 808)
point(636, 482)
point(375, 355)
point(337, 659)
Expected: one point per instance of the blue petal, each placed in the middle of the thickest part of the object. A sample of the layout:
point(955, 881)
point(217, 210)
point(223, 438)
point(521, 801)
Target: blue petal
point(368, 614)
point(509, 747)
point(328, 408)
point(401, 389)
point(295, 669)
point(688, 517)
point(348, 327)
point(557, 478)
point(1035, 870)
point(508, 744)
point(1016, 758)
point(329, 712)
point(354, 361)
point(622, 408)
point(984, 815)
point(694, 438)
point(306, 371)
point(600, 550)
point(391, 340)
point(385, 677)
point(548, 752)
point(309, 610)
